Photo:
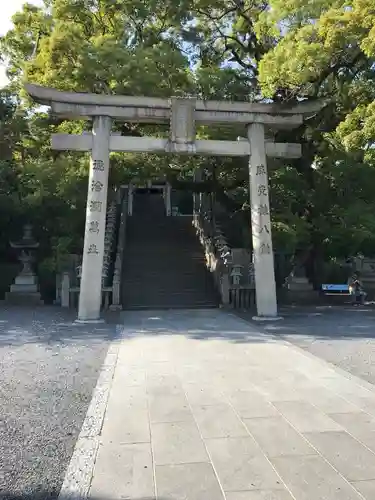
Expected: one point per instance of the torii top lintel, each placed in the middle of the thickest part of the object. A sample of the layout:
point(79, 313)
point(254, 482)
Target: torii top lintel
point(75, 105)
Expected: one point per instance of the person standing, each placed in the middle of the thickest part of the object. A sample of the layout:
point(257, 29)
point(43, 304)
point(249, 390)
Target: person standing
point(356, 290)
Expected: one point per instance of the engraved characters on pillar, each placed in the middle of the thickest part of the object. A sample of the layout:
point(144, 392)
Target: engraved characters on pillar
point(96, 186)
point(95, 206)
point(261, 170)
point(263, 211)
point(94, 227)
point(98, 165)
point(93, 249)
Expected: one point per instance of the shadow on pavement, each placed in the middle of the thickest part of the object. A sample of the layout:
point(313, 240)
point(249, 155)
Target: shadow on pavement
point(53, 325)
point(45, 495)
point(49, 325)
point(321, 323)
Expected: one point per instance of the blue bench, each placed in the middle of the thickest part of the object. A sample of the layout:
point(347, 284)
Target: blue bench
point(331, 289)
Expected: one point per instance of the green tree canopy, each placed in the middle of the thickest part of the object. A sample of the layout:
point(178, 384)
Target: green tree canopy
point(325, 49)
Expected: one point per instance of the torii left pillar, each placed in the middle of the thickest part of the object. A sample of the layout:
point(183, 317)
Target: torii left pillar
point(90, 296)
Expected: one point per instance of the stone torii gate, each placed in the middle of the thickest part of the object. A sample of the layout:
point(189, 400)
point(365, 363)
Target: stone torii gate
point(182, 114)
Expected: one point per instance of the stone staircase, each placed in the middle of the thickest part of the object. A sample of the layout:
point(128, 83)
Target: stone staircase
point(163, 264)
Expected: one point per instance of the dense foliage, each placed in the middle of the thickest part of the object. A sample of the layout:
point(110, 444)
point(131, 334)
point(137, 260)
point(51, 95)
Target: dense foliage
point(285, 51)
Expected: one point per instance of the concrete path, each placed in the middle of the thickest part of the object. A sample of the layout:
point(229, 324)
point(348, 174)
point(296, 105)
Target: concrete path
point(198, 405)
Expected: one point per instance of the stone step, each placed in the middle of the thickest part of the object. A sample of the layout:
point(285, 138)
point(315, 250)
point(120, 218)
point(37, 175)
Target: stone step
point(164, 263)
point(165, 290)
point(156, 305)
point(173, 256)
point(172, 276)
point(195, 280)
point(155, 279)
point(170, 282)
point(145, 291)
point(184, 252)
point(138, 267)
point(169, 301)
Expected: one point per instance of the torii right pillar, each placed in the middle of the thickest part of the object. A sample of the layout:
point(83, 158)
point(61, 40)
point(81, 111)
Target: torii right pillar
point(265, 285)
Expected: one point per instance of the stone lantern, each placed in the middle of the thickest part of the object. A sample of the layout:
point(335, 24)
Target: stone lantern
point(25, 287)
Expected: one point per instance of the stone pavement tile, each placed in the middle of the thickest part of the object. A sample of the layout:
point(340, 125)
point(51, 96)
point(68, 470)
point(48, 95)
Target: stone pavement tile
point(130, 354)
point(312, 478)
point(169, 408)
point(251, 404)
point(367, 405)
point(276, 437)
point(163, 383)
point(177, 443)
point(133, 397)
point(327, 402)
point(366, 488)
point(123, 471)
point(218, 421)
point(126, 426)
point(346, 454)
point(129, 376)
point(157, 351)
point(259, 495)
point(187, 481)
point(310, 365)
point(321, 370)
point(229, 377)
point(275, 391)
point(305, 417)
point(193, 374)
point(240, 465)
point(126, 419)
point(345, 388)
point(360, 425)
point(203, 395)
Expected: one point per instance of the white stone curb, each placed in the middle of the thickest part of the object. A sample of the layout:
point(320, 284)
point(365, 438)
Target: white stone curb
point(80, 470)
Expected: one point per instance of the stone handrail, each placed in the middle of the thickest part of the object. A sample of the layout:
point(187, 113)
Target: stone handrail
point(217, 252)
point(232, 269)
point(109, 241)
point(116, 286)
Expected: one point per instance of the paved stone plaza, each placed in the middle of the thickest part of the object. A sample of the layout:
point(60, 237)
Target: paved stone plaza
point(342, 335)
point(201, 405)
point(194, 403)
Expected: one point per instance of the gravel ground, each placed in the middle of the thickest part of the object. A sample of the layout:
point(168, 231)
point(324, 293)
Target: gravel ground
point(344, 336)
point(48, 370)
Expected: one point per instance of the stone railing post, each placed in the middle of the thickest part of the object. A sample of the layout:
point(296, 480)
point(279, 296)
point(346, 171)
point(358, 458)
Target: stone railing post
point(130, 199)
point(65, 289)
point(116, 285)
point(217, 253)
point(116, 290)
point(57, 300)
point(225, 285)
point(167, 200)
point(109, 237)
point(197, 197)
